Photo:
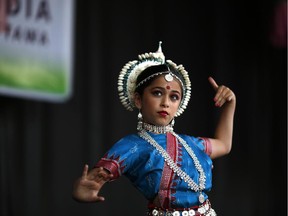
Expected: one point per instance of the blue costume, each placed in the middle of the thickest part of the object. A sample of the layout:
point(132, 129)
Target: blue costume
point(156, 163)
point(145, 167)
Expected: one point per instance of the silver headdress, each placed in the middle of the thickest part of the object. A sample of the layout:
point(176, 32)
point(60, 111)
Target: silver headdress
point(128, 77)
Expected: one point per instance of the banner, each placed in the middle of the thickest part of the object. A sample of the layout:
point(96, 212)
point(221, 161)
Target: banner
point(36, 49)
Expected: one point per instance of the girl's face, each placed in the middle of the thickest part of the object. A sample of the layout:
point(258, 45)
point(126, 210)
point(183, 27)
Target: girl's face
point(160, 101)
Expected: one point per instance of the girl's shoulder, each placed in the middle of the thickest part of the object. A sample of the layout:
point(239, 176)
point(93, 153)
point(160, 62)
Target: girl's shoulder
point(130, 138)
point(193, 140)
point(189, 137)
point(128, 141)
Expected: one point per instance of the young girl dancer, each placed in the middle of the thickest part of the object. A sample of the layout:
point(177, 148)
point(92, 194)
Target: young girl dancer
point(173, 171)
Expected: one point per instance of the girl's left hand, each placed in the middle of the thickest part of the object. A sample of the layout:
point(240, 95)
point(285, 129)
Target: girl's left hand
point(223, 93)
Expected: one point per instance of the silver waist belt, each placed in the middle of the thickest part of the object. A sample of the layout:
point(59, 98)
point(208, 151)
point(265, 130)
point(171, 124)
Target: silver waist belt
point(203, 210)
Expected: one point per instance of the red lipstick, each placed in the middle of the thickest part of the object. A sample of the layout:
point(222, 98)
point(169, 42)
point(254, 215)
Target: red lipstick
point(163, 113)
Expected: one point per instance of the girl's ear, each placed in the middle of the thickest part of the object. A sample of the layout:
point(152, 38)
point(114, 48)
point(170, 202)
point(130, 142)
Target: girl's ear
point(137, 100)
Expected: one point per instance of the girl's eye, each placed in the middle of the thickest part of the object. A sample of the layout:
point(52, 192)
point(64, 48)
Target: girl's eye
point(157, 93)
point(175, 97)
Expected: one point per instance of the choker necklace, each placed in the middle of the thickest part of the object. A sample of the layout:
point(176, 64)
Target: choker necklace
point(176, 169)
point(154, 129)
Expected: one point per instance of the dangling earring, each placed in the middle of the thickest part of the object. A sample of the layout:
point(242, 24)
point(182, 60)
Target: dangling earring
point(172, 122)
point(140, 121)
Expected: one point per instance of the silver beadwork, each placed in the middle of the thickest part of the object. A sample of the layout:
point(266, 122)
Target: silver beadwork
point(153, 128)
point(177, 170)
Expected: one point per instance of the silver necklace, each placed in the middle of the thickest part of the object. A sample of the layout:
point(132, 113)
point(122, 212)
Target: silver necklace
point(177, 170)
point(154, 128)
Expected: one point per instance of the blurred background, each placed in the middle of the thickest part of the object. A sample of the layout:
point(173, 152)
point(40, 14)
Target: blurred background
point(242, 44)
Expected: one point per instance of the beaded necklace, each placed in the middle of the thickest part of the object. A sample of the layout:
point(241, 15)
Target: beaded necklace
point(177, 170)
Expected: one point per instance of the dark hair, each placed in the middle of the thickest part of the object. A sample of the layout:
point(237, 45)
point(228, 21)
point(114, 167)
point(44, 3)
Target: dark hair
point(165, 68)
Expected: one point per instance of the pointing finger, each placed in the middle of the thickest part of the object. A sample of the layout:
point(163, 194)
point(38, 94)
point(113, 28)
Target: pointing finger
point(213, 83)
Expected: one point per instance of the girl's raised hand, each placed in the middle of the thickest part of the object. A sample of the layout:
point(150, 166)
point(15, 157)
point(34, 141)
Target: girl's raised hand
point(223, 93)
point(87, 187)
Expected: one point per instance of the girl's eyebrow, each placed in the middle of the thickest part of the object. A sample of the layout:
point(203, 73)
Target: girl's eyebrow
point(164, 89)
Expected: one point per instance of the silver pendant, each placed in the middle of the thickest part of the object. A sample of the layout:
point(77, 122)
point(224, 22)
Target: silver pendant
point(191, 212)
point(168, 77)
point(176, 213)
point(185, 213)
point(155, 212)
point(201, 198)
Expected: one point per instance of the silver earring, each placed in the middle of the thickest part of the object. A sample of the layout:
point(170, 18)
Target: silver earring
point(173, 122)
point(140, 121)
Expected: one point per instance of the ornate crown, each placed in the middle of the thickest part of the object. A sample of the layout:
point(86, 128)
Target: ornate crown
point(131, 70)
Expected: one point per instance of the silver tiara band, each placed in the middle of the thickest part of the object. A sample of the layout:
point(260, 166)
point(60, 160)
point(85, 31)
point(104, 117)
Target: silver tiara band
point(157, 74)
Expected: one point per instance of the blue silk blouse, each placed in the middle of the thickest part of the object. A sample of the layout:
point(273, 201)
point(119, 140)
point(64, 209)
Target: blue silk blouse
point(144, 166)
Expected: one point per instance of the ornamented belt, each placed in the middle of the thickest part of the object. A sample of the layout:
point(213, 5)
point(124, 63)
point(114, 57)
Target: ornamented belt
point(202, 210)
